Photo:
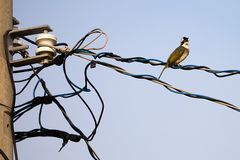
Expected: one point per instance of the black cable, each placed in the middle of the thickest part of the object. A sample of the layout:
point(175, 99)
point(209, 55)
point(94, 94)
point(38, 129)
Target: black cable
point(40, 113)
point(72, 86)
point(58, 60)
point(34, 43)
point(62, 110)
point(60, 106)
point(91, 151)
point(26, 70)
point(91, 136)
point(155, 62)
point(33, 103)
point(24, 87)
point(18, 114)
point(168, 86)
point(25, 103)
point(61, 44)
point(27, 106)
point(3, 154)
point(30, 78)
point(43, 132)
point(29, 40)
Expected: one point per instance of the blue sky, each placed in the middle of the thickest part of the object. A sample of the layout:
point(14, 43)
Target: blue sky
point(142, 120)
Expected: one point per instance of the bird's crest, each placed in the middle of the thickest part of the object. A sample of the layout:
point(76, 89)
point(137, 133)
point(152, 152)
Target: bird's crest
point(184, 39)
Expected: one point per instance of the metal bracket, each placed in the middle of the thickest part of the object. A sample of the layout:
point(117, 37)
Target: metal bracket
point(17, 48)
point(29, 60)
point(18, 33)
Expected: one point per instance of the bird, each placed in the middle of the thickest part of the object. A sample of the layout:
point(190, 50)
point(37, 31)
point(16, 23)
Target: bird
point(178, 55)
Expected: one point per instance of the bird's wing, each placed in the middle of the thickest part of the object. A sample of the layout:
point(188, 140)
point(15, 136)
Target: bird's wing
point(175, 56)
point(184, 53)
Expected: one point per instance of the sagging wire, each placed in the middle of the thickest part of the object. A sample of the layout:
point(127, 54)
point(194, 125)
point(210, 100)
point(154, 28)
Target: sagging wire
point(168, 86)
point(42, 131)
point(87, 81)
point(218, 73)
point(155, 62)
point(42, 82)
point(73, 87)
point(24, 108)
point(38, 101)
point(56, 61)
point(90, 149)
point(156, 80)
point(28, 80)
point(26, 70)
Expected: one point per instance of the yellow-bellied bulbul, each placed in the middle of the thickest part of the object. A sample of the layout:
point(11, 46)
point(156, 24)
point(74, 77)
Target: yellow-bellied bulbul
point(178, 55)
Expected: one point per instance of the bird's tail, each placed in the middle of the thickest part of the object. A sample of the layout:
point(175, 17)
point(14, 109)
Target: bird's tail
point(162, 71)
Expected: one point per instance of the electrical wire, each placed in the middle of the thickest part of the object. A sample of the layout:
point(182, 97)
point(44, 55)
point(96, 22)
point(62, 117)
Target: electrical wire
point(156, 62)
point(61, 44)
point(5, 106)
point(29, 40)
point(29, 79)
point(94, 31)
point(87, 81)
point(168, 86)
point(36, 101)
point(103, 46)
point(90, 149)
point(31, 104)
point(44, 132)
point(24, 108)
point(3, 154)
point(72, 85)
point(26, 70)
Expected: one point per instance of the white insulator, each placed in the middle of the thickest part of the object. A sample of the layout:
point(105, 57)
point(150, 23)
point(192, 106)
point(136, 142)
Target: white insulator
point(45, 50)
point(46, 39)
point(46, 42)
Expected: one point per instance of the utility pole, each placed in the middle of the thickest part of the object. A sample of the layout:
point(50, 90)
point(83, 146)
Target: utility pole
point(6, 88)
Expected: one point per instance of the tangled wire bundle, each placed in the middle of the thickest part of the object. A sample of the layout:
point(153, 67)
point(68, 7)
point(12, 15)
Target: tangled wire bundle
point(89, 54)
